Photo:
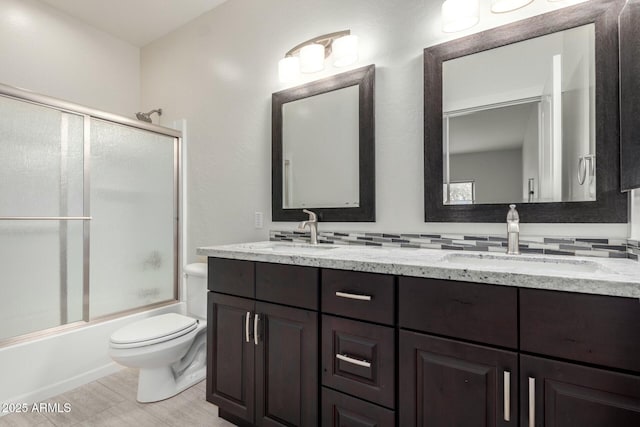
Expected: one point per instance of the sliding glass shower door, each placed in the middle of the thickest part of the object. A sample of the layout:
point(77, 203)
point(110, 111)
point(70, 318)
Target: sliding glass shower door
point(88, 216)
point(41, 186)
point(132, 230)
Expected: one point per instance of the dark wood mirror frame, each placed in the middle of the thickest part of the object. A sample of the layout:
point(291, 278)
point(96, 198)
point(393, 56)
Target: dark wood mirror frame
point(364, 78)
point(630, 95)
point(610, 205)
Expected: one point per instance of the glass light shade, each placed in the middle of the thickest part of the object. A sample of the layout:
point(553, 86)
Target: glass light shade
point(501, 6)
point(312, 58)
point(458, 15)
point(289, 69)
point(345, 50)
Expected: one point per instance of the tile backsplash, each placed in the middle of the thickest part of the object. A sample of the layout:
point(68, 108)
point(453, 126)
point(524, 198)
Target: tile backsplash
point(608, 248)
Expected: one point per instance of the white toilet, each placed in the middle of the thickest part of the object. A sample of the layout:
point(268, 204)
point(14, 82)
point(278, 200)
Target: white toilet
point(169, 349)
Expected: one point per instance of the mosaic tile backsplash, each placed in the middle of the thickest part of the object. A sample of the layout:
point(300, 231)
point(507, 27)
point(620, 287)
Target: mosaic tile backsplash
point(608, 248)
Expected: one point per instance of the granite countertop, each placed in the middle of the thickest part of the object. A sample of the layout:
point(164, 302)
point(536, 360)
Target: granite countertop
point(601, 276)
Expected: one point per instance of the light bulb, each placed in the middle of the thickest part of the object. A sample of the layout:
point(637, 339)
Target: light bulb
point(501, 6)
point(345, 50)
point(289, 69)
point(458, 15)
point(312, 58)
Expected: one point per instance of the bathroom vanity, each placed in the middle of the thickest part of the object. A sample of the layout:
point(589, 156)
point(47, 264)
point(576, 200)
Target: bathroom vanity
point(363, 336)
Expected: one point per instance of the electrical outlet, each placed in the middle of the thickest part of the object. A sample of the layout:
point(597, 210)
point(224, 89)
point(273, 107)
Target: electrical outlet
point(258, 219)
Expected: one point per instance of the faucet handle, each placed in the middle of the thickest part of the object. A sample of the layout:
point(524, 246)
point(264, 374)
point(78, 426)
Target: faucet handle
point(513, 215)
point(312, 216)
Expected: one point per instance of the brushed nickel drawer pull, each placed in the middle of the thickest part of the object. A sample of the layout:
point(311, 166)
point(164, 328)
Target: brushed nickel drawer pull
point(353, 361)
point(246, 326)
point(532, 402)
point(353, 296)
point(507, 395)
point(255, 328)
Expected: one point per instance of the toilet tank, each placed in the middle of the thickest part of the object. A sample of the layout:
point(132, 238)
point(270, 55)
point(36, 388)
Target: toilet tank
point(195, 276)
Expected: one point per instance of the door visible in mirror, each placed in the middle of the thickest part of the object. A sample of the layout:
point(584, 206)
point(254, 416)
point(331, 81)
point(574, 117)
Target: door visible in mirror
point(519, 122)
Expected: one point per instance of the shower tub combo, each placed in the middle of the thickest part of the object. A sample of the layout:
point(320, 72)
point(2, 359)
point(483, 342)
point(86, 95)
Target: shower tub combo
point(89, 238)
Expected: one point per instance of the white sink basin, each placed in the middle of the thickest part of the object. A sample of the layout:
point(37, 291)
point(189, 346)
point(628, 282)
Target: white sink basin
point(523, 262)
point(291, 248)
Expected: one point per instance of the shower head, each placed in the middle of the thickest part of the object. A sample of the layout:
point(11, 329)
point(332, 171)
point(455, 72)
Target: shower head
point(146, 117)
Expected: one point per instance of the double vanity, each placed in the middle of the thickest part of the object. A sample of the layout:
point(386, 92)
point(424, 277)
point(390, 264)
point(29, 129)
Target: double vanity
point(339, 335)
point(355, 336)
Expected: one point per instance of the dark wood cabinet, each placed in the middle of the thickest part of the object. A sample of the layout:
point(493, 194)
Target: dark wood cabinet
point(470, 311)
point(363, 296)
point(359, 358)
point(342, 410)
point(450, 383)
point(417, 352)
point(230, 358)
point(596, 329)
point(558, 394)
point(231, 276)
point(286, 366)
point(262, 358)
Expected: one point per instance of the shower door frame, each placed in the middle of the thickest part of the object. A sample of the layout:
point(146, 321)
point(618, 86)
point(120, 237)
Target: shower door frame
point(88, 113)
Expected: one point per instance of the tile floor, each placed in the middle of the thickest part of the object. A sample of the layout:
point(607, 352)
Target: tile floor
point(111, 401)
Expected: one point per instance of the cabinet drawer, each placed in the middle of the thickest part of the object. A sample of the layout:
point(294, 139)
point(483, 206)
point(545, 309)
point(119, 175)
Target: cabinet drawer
point(359, 358)
point(231, 276)
point(365, 296)
point(589, 328)
point(472, 311)
point(287, 284)
point(341, 410)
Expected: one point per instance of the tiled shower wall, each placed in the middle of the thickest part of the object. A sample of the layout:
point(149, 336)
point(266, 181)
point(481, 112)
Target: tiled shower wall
point(607, 248)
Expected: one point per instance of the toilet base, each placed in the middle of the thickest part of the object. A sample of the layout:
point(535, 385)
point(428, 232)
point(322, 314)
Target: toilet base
point(156, 384)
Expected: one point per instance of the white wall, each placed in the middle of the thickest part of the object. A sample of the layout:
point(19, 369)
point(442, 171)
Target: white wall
point(497, 174)
point(219, 71)
point(49, 52)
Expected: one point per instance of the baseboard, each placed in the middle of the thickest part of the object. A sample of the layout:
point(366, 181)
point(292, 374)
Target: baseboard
point(55, 389)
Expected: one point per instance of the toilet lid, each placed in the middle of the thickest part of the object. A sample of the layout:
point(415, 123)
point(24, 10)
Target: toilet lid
point(154, 329)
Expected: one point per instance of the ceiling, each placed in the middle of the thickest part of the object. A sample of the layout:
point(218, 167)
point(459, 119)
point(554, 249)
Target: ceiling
point(138, 22)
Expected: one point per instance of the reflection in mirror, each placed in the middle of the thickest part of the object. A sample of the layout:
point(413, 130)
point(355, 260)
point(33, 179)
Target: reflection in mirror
point(522, 127)
point(323, 149)
point(320, 140)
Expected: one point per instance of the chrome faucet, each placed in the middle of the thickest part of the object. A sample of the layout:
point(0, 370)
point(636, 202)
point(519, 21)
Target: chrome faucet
point(312, 222)
point(513, 231)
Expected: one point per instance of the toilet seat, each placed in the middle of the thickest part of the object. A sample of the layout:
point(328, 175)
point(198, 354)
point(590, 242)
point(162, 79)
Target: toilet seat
point(153, 330)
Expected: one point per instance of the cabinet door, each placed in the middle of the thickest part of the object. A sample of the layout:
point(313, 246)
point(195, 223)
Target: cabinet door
point(450, 383)
point(286, 366)
point(558, 394)
point(230, 356)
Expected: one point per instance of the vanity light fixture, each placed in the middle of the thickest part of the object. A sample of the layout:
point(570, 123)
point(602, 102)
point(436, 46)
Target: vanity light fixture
point(502, 6)
point(309, 57)
point(458, 15)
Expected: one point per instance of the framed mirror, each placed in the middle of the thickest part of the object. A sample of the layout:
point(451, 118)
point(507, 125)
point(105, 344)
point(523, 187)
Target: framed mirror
point(323, 141)
point(526, 113)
